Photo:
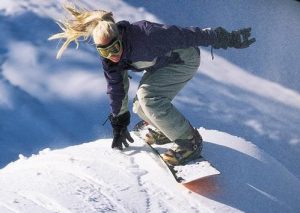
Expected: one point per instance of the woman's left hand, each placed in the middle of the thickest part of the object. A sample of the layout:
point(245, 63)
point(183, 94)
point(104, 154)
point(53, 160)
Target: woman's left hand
point(241, 38)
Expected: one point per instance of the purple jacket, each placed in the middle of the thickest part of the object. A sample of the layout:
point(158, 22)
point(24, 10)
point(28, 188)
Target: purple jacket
point(145, 41)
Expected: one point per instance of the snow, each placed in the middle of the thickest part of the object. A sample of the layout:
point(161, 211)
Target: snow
point(235, 76)
point(55, 156)
point(91, 177)
point(76, 180)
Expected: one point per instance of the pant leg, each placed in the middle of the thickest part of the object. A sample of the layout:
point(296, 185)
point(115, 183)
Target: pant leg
point(158, 89)
point(138, 110)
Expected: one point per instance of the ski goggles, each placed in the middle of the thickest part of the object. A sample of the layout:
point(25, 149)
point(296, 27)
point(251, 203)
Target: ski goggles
point(112, 48)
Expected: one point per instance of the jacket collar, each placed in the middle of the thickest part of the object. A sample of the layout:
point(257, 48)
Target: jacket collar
point(123, 27)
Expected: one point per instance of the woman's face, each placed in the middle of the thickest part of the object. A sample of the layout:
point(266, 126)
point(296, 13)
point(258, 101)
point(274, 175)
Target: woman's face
point(114, 58)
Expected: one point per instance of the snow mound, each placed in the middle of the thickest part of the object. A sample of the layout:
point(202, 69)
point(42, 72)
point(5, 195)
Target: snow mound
point(94, 178)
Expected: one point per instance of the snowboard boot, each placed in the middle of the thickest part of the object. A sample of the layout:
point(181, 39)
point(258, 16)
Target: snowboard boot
point(184, 150)
point(156, 137)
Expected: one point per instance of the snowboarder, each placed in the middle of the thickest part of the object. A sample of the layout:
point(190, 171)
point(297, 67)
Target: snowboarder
point(170, 57)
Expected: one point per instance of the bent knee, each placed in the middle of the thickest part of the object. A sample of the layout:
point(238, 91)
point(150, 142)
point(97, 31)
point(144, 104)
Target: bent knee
point(153, 104)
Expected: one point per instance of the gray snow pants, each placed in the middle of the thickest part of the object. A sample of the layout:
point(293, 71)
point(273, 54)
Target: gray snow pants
point(156, 91)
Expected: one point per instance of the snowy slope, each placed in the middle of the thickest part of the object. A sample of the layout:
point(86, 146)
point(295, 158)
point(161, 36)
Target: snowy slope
point(93, 178)
point(59, 103)
point(252, 94)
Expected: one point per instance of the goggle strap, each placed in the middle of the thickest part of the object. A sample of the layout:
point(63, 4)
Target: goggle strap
point(107, 46)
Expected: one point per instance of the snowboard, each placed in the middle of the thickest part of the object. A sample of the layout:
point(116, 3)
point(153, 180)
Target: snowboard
point(193, 170)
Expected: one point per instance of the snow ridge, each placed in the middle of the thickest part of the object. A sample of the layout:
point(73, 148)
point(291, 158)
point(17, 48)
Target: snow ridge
point(94, 178)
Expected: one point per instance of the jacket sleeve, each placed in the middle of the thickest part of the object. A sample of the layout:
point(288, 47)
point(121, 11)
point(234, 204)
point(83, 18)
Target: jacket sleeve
point(117, 87)
point(171, 37)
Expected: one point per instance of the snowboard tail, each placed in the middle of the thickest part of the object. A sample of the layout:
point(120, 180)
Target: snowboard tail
point(193, 170)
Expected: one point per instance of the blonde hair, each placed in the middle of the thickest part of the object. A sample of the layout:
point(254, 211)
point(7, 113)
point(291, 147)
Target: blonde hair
point(83, 23)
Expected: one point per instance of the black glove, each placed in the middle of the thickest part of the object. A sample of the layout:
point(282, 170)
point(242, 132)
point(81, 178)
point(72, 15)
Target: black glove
point(120, 132)
point(240, 38)
point(237, 39)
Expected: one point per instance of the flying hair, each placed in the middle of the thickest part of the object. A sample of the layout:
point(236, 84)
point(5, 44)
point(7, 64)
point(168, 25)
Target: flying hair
point(84, 23)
